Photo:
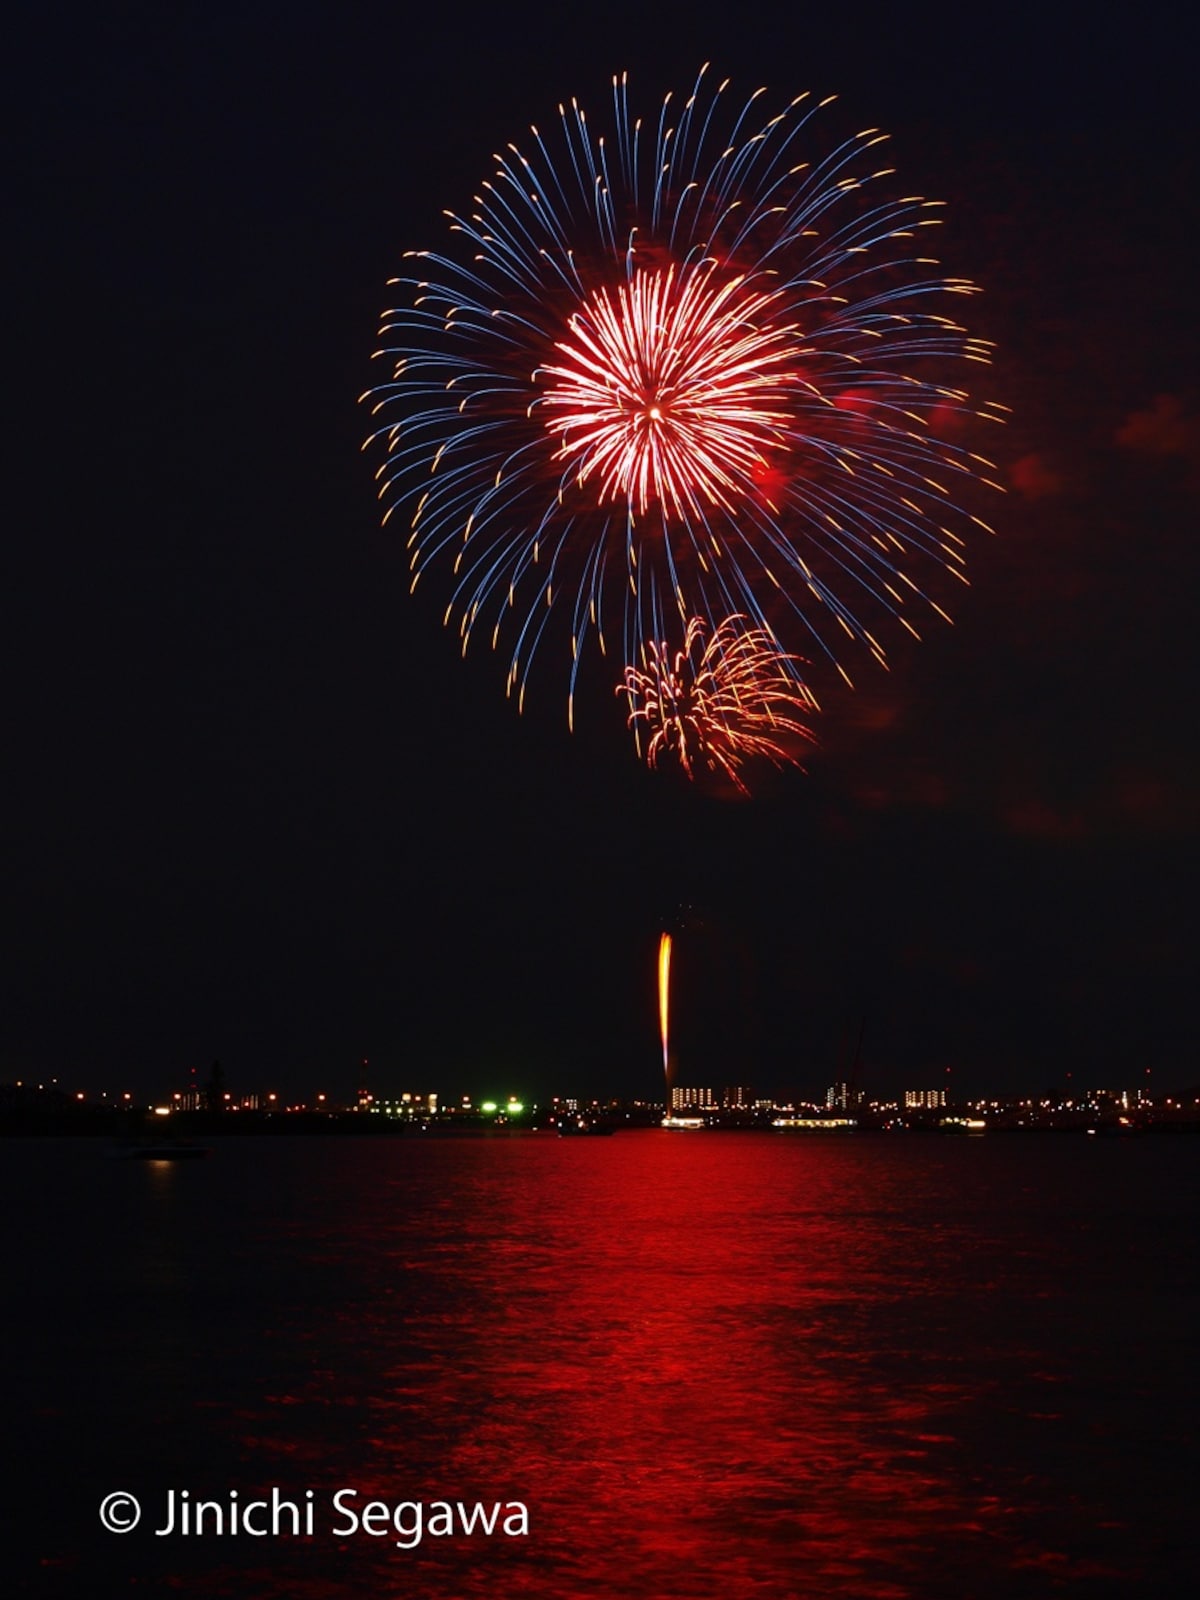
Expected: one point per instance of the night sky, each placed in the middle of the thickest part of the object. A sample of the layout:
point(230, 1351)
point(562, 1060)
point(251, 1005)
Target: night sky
point(255, 805)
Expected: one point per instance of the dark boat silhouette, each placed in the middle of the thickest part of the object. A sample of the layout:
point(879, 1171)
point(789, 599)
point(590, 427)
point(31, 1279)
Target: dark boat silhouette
point(160, 1150)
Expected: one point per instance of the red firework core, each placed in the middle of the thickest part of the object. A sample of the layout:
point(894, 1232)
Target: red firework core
point(672, 389)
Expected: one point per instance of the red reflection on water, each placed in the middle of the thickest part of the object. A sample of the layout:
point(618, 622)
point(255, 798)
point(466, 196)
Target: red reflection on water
point(709, 1366)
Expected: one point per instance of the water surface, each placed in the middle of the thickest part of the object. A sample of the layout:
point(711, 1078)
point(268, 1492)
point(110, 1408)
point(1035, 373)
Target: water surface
point(710, 1365)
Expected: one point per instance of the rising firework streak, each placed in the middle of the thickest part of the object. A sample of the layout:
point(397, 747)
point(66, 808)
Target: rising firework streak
point(664, 1007)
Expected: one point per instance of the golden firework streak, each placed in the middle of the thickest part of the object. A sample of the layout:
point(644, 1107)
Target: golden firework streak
point(664, 997)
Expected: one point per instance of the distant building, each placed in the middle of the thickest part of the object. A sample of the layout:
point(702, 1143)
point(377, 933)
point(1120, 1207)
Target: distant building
point(413, 1105)
point(842, 1097)
point(738, 1098)
point(1117, 1099)
point(685, 1098)
point(924, 1099)
point(712, 1003)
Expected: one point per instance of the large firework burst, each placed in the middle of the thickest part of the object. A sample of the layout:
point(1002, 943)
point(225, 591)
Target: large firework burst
point(715, 704)
point(681, 373)
point(672, 391)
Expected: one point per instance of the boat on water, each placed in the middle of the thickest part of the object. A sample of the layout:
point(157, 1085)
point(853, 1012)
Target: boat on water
point(161, 1150)
point(582, 1127)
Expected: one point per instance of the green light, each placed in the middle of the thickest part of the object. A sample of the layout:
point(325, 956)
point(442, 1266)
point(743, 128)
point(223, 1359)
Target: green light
point(489, 1106)
point(514, 1108)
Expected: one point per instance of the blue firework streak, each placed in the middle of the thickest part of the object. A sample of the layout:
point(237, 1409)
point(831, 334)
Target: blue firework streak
point(689, 370)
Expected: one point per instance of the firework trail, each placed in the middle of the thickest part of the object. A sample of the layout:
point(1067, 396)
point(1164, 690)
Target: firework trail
point(691, 370)
point(664, 1008)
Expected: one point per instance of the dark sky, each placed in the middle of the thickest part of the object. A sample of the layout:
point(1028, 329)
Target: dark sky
point(255, 806)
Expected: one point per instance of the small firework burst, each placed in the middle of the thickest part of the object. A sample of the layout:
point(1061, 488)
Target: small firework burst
point(713, 705)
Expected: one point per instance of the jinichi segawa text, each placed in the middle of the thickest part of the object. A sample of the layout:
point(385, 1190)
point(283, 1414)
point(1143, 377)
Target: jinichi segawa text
point(342, 1514)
